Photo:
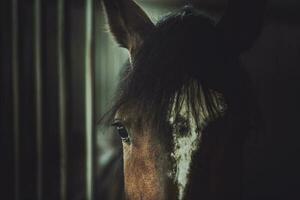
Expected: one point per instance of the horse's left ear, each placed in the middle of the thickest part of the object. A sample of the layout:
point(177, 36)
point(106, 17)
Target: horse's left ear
point(128, 23)
point(242, 23)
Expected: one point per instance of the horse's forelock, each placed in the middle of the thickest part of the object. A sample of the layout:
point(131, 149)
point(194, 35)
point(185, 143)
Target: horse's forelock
point(184, 47)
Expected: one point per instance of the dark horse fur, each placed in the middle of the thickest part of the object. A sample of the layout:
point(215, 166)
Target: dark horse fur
point(187, 46)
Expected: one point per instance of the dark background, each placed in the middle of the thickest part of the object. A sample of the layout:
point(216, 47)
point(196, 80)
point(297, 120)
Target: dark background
point(44, 131)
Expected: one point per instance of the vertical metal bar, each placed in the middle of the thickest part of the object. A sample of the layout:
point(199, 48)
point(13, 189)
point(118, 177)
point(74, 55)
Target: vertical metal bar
point(94, 137)
point(15, 86)
point(62, 101)
point(38, 95)
point(89, 100)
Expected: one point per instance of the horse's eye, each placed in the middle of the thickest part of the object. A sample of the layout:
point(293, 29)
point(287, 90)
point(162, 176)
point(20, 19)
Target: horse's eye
point(122, 131)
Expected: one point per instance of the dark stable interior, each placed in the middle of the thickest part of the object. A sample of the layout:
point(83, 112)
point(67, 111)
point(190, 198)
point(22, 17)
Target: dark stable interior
point(273, 64)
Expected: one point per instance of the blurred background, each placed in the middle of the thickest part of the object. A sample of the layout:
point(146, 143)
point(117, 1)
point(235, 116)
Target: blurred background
point(59, 70)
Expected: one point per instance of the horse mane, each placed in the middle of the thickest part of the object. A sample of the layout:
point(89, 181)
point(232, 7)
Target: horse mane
point(184, 54)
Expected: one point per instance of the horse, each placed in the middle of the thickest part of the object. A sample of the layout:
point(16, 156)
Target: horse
point(184, 106)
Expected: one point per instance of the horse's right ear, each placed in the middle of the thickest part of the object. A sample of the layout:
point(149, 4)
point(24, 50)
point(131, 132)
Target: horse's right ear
point(242, 23)
point(128, 23)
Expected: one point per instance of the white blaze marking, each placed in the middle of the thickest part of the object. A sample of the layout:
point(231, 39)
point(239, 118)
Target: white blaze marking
point(185, 145)
point(183, 152)
point(184, 148)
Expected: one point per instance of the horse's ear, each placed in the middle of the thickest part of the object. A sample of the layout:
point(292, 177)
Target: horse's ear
point(128, 23)
point(242, 23)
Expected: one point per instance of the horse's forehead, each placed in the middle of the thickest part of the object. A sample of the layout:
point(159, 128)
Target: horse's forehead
point(185, 111)
point(184, 146)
